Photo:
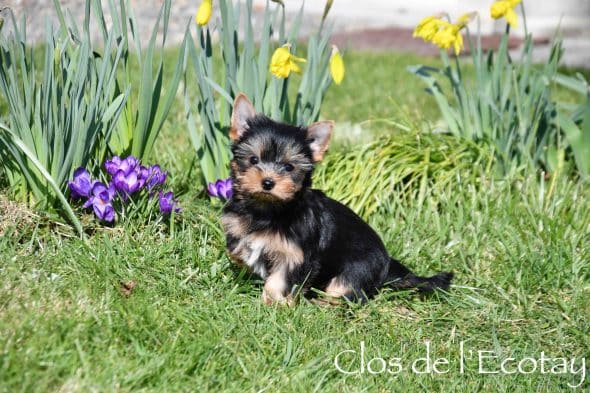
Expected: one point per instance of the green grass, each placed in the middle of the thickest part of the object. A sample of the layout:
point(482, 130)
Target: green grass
point(195, 323)
point(377, 86)
point(519, 248)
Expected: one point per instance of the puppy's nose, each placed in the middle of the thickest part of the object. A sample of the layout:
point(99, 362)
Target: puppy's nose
point(268, 184)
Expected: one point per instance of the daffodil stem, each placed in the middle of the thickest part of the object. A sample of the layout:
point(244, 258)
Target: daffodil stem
point(507, 34)
point(526, 29)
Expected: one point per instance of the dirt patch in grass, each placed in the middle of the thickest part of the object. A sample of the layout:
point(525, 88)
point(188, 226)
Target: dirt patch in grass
point(14, 217)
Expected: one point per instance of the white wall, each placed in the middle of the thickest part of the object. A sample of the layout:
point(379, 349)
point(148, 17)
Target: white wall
point(543, 16)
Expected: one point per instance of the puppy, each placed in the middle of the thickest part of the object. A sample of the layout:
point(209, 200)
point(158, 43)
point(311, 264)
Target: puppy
point(295, 237)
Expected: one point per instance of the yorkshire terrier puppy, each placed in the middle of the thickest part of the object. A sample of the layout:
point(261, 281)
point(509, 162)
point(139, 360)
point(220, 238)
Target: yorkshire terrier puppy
point(292, 236)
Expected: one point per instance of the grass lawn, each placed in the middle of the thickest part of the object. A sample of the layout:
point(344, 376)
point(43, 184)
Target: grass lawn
point(520, 248)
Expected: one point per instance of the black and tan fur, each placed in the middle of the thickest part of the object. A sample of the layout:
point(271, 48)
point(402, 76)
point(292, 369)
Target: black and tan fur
point(291, 235)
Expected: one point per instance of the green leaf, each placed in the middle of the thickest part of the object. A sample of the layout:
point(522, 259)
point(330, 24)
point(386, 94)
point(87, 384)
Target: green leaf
point(32, 157)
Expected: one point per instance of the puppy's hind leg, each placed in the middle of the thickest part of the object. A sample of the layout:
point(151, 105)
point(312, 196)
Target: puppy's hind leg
point(340, 288)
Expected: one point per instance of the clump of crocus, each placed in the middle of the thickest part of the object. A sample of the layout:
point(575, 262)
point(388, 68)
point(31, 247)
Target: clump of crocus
point(128, 180)
point(221, 189)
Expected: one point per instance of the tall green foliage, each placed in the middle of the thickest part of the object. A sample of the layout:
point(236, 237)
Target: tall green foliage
point(575, 122)
point(61, 114)
point(150, 100)
point(507, 103)
point(66, 112)
point(246, 59)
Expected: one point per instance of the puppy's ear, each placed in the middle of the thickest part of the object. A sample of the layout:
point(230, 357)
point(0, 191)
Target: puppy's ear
point(318, 135)
point(243, 110)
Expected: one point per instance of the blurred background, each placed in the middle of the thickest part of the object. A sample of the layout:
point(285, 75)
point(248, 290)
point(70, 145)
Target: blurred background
point(377, 24)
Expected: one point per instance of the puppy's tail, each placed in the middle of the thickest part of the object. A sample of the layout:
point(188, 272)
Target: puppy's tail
point(400, 277)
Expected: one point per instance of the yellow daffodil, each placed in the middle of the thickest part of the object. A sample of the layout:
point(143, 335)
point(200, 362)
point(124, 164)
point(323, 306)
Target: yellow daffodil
point(428, 27)
point(336, 65)
point(204, 12)
point(442, 33)
point(505, 8)
point(283, 62)
point(449, 35)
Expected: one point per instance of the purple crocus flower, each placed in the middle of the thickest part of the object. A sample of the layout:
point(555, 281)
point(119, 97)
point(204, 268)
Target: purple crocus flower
point(167, 203)
point(100, 199)
point(224, 187)
point(126, 183)
point(81, 185)
point(113, 165)
point(155, 176)
point(221, 189)
point(212, 190)
point(129, 164)
point(127, 175)
point(143, 175)
point(116, 164)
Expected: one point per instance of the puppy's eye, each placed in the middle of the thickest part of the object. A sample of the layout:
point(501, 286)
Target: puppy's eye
point(254, 160)
point(288, 167)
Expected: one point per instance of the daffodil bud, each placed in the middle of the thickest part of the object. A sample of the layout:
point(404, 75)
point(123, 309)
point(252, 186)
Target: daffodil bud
point(466, 18)
point(204, 12)
point(336, 65)
point(56, 57)
point(327, 9)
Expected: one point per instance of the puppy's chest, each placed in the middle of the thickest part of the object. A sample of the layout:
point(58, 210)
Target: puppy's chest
point(262, 251)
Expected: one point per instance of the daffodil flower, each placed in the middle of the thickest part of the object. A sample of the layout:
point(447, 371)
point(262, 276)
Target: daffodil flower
point(428, 27)
point(204, 12)
point(449, 35)
point(283, 62)
point(505, 8)
point(442, 33)
point(336, 65)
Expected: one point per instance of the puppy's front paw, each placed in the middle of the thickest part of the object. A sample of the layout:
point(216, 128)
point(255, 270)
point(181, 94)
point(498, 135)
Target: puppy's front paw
point(270, 298)
point(266, 298)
